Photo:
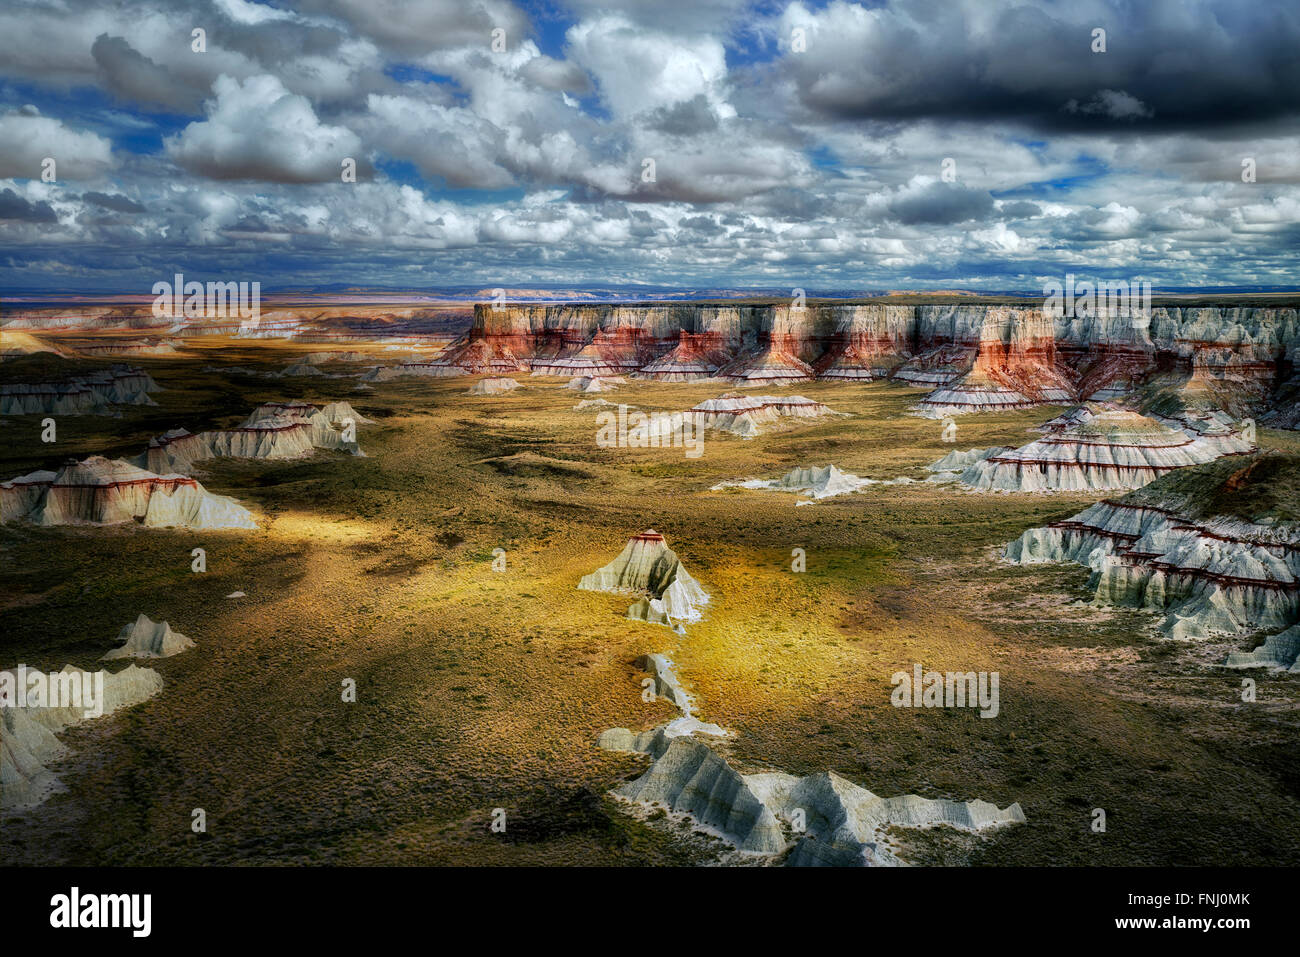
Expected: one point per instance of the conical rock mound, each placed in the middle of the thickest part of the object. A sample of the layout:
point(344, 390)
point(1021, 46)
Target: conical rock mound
point(144, 638)
point(648, 566)
point(815, 481)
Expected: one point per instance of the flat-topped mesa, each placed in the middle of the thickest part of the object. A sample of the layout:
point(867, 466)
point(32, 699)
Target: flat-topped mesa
point(1010, 354)
point(1178, 548)
point(751, 415)
point(647, 566)
point(92, 392)
point(270, 433)
point(97, 491)
point(1111, 449)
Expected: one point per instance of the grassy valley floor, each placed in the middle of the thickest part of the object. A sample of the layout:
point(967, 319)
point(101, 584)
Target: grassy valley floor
point(479, 689)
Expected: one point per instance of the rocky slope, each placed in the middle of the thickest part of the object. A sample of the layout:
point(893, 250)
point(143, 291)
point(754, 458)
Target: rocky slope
point(1213, 549)
point(1102, 448)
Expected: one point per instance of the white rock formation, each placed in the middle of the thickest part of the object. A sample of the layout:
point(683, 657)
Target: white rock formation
point(144, 638)
point(97, 491)
point(647, 566)
point(751, 415)
point(493, 386)
point(274, 430)
point(28, 739)
point(1280, 652)
point(590, 384)
point(844, 824)
point(20, 495)
point(817, 482)
point(1203, 574)
point(1113, 449)
point(656, 740)
point(93, 392)
point(587, 404)
point(957, 461)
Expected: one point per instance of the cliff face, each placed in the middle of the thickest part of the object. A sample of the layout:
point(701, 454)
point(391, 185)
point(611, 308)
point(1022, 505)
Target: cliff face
point(978, 350)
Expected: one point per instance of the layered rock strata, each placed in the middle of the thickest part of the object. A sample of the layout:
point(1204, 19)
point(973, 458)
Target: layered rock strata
point(1106, 449)
point(1169, 548)
point(77, 395)
point(97, 491)
point(980, 356)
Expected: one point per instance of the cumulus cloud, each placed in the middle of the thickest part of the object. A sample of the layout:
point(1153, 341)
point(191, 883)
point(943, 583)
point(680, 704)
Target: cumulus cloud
point(414, 29)
point(259, 130)
point(934, 201)
point(770, 164)
point(448, 142)
point(27, 139)
point(639, 69)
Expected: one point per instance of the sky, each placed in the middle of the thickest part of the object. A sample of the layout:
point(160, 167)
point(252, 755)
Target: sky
point(913, 144)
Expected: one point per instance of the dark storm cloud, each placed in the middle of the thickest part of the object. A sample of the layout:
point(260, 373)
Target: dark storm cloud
point(14, 207)
point(131, 75)
point(114, 201)
point(1166, 64)
point(942, 204)
point(688, 118)
point(1021, 209)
